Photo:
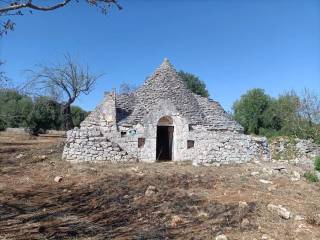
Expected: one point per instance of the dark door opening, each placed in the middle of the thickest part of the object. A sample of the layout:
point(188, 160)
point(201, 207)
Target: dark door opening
point(164, 143)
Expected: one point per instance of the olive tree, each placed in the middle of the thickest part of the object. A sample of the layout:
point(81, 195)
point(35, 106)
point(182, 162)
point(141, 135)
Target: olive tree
point(63, 82)
point(250, 110)
point(193, 82)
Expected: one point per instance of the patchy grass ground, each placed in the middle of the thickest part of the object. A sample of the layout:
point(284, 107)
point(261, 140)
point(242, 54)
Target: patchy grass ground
point(95, 201)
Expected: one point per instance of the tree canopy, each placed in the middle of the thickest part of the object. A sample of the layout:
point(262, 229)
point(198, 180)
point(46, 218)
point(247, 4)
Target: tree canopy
point(249, 110)
point(193, 82)
point(15, 108)
point(289, 114)
point(63, 82)
point(37, 115)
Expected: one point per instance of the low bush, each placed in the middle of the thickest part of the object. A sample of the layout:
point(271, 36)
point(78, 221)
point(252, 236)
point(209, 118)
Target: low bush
point(311, 177)
point(2, 124)
point(317, 163)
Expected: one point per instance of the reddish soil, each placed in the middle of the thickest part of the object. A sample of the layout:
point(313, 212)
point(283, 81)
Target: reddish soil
point(107, 201)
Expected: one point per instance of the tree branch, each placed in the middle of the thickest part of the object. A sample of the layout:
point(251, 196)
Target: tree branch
point(29, 4)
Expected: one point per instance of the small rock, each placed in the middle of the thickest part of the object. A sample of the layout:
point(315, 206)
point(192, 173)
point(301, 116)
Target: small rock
point(151, 190)
point(135, 169)
point(266, 237)
point(267, 171)
point(298, 218)
point(221, 237)
point(295, 176)
point(245, 223)
point(175, 220)
point(281, 211)
point(243, 204)
point(20, 156)
point(265, 181)
point(254, 173)
point(272, 188)
point(202, 214)
point(58, 179)
point(42, 157)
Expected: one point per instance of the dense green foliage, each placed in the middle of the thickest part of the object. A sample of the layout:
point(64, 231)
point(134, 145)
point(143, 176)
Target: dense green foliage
point(311, 177)
point(286, 115)
point(250, 110)
point(317, 163)
point(2, 124)
point(38, 115)
point(78, 115)
point(45, 115)
point(15, 108)
point(194, 84)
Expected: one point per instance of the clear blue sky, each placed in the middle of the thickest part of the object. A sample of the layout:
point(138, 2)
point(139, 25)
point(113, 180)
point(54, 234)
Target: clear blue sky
point(232, 45)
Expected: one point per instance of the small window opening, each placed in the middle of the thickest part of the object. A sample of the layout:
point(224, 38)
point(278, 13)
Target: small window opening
point(190, 144)
point(123, 134)
point(190, 127)
point(141, 142)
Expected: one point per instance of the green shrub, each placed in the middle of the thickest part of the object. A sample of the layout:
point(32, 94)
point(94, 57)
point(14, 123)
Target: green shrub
point(2, 124)
point(317, 163)
point(311, 177)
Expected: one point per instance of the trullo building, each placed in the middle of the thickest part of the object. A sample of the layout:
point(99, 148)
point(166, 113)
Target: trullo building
point(162, 120)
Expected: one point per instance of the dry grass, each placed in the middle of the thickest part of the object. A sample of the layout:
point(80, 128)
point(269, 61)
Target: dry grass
point(96, 201)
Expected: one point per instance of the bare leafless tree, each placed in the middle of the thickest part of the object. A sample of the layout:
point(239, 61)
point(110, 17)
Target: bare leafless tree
point(63, 82)
point(126, 88)
point(310, 106)
point(10, 8)
point(3, 77)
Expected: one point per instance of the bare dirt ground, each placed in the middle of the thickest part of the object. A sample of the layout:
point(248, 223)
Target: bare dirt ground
point(96, 201)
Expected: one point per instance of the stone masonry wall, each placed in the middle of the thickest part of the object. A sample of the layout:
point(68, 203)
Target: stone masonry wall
point(89, 144)
point(294, 149)
point(210, 147)
point(224, 147)
point(112, 131)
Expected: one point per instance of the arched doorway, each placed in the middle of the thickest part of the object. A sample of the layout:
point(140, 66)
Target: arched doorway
point(165, 130)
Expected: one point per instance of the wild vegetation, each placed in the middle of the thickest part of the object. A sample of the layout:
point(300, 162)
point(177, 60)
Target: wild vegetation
point(36, 114)
point(194, 83)
point(289, 114)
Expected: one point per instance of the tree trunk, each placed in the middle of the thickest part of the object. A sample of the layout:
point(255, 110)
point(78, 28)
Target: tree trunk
point(67, 117)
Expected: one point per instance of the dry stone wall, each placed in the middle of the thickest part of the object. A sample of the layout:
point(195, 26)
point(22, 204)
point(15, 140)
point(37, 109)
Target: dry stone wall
point(294, 149)
point(89, 144)
point(113, 130)
point(108, 143)
point(224, 147)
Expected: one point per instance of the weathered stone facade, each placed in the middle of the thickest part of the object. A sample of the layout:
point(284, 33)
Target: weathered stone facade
point(294, 150)
point(162, 119)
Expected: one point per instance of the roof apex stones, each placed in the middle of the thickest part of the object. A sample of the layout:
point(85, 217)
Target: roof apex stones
point(166, 84)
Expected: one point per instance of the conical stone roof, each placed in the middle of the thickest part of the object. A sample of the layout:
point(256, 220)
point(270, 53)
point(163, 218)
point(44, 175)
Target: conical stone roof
point(166, 84)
